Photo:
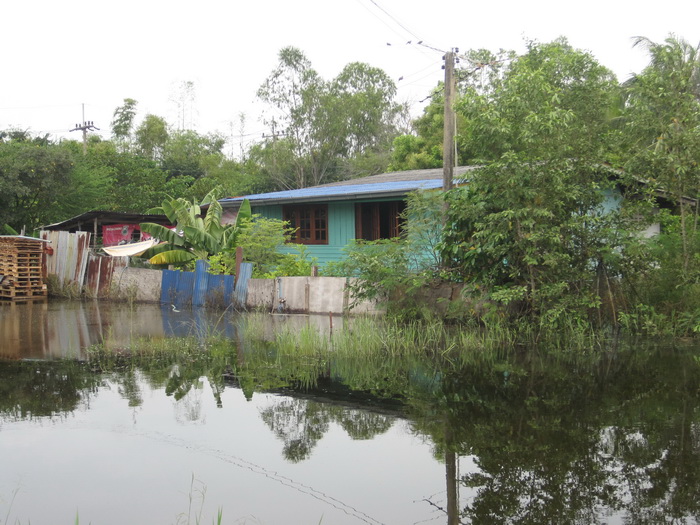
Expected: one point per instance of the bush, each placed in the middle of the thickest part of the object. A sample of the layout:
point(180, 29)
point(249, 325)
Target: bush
point(264, 242)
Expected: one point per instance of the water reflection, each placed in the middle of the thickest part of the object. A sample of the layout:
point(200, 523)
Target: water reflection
point(64, 329)
point(524, 437)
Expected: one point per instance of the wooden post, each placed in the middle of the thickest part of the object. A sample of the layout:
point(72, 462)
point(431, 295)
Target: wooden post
point(448, 143)
point(239, 261)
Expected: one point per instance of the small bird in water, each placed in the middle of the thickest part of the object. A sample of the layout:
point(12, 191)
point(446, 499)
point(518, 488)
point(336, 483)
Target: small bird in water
point(174, 309)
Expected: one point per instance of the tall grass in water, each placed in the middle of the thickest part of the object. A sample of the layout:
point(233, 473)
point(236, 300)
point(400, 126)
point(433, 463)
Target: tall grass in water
point(304, 342)
point(369, 336)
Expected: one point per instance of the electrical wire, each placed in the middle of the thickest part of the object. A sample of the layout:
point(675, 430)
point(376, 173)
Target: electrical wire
point(395, 20)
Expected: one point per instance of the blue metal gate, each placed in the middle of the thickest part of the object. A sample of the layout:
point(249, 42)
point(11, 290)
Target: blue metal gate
point(200, 288)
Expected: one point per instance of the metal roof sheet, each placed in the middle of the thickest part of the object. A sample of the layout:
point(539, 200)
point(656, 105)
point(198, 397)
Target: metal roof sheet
point(106, 217)
point(341, 192)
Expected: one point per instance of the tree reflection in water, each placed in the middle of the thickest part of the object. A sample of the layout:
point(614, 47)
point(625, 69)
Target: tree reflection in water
point(561, 438)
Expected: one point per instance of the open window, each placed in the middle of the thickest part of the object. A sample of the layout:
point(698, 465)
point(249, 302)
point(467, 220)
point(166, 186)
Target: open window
point(378, 220)
point(310, 223)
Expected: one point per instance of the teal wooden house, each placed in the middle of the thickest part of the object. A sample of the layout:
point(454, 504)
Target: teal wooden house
point(328, 217)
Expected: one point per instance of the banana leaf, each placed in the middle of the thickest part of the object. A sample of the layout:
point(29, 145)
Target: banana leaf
point(162, 233)
point(175, 257)
point(244, 212)
point(155, 250)
point(213, 218)
point(200, 239)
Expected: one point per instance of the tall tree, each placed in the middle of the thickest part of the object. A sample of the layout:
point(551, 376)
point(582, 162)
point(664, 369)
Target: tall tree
point(151, 137)
point(31, 176)
point(189, 154)
point(318, 126)
point(123, 121)
point(293, 93)
point(529, 228)
point(662, 117)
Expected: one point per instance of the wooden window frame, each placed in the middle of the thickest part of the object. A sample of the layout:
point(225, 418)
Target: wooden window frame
point(375, 209)
point(311, 218)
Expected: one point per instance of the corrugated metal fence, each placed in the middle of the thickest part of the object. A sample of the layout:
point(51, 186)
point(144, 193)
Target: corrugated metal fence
point(71, 262)
point(201, 288)
point(70, 255)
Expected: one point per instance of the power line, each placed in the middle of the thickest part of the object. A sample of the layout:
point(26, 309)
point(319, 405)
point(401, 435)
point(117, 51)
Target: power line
point(418, 39)
point(395, 20)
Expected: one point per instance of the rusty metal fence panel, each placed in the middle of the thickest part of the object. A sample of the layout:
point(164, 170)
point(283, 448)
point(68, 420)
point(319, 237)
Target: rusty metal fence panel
point(100, 270)
point(69, 259)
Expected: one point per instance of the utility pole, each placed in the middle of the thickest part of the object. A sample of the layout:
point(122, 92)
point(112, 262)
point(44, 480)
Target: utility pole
point(85, 127)
point(448, 142)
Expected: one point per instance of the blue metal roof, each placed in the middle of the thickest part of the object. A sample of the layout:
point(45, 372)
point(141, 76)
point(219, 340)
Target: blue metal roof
point(349, 191)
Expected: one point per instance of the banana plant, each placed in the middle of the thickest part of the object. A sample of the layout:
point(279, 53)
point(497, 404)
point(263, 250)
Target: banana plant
point(194, 237)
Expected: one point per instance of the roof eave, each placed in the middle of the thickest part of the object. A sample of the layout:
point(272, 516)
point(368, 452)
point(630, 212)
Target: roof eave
point(328, 198)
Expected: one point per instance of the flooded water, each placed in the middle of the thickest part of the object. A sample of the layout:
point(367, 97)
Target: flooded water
point(610, 437)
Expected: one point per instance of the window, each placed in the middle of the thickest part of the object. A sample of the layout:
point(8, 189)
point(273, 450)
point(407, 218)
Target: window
point(378, 220)
point(310, 223)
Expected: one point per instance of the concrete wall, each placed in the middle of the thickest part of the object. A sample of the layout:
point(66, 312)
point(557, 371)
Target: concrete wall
point(308, 295)
point(315, 295)
point(138, 284)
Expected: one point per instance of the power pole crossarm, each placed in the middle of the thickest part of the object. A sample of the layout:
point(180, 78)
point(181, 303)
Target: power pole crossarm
point(86, 126)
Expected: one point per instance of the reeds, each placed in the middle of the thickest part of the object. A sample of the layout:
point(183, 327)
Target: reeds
point(370, 336)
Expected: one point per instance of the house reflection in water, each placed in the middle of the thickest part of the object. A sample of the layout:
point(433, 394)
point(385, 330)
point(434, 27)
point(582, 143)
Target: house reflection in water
point(51, 329)
point(65, 329)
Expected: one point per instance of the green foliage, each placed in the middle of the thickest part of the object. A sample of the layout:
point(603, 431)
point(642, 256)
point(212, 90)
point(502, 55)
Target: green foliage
point(551, 102)
point(151, 137)
point(321, 130)
point(197, 238)
point(265, 243)
point(383, 273)
point(662, 132)
point(189, 154)
point(410, 152)
point(123, 120)
point(530, 230)
point(393, 271)
point(664, 292)
point(537, 238)
point(32, 174)
point(295, 262)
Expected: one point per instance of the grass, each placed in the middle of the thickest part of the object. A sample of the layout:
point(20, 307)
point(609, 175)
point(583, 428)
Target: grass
point(370, 336)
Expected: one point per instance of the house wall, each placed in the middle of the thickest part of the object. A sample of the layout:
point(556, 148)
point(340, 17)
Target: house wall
point(341, 230)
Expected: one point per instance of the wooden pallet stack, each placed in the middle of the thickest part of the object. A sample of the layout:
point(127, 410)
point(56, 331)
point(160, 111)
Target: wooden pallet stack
point(21, 275)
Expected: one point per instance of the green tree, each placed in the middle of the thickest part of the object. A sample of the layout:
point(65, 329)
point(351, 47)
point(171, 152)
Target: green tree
point(481, 72)
point(325, 130)
point(662, 134)
point(31, 177)
point(90, 182)
point(293, 93)
point(151, 137)
point(189, 154)
point(132, 183)
point(411, 152)
point(123, 121)
point(530, 228)
point(552, 102)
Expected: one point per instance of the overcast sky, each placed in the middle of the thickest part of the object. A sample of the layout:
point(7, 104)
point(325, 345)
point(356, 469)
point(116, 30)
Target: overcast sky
point(59, 56)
